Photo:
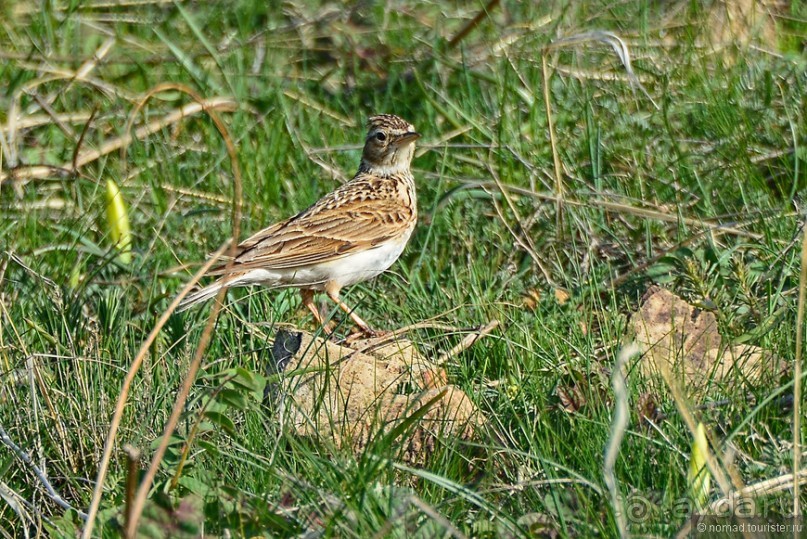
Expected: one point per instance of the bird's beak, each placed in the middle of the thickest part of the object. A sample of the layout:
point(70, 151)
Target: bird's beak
point(406, 138)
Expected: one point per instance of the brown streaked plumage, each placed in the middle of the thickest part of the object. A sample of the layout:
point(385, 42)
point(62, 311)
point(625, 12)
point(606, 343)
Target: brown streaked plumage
point(350, 235)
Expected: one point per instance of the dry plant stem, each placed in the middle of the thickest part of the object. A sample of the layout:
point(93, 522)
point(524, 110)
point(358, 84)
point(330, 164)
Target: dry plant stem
point(553, 143)
point(392, 335)
point(39, 120)
point(308, 102)
point(619, 425)
point(40, 172)
point(588, 74)
point(473, 23)
point(530, 249)
point(763, 488)
point(616, 207)
point(619, 48)
point(310, 152)
point(467, 342)
point(768, 486)
point(81, 137)
point(33, 365)
point(797, 378)
point(133, 470)
point(23, 456)
point(66, 129)
point(86, 68)
point(685, 410)
point(12, 117)
point(138, 507)
point(127, 383)
point(27, 88)
point(156, 90)
point(442, 142)
point(530, 245)
point(148, 479)
point(60, 428)
point(5, 148)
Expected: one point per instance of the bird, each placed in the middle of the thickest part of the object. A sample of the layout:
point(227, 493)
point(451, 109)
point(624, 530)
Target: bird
point(350, 235)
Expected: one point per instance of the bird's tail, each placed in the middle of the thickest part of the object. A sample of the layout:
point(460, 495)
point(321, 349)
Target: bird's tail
point(199, 295)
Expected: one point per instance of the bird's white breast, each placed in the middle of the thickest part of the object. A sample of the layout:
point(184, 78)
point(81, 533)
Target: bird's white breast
point(364, 265)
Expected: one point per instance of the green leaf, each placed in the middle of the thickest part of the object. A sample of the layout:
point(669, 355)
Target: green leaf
point(194, 485)
point(249, 380)
point(234, 398)
point(117, 219)
point(209, 447)
point(218, 418)
point(698, 477)
point(173, 441)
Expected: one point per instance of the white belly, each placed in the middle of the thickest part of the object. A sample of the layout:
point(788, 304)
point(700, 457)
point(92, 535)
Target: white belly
point(363, 266)
point(345, 271)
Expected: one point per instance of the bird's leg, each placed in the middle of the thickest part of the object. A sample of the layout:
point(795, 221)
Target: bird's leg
point(308, 301)
point(333, 293)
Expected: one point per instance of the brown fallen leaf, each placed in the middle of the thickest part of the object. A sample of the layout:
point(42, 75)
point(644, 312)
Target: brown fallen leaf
point(571, 398)
point(648, 409)
point(561, 296)
point(578, 389)
point(531, 298)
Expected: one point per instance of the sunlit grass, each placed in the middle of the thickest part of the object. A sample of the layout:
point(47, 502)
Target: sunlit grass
point(724, 147)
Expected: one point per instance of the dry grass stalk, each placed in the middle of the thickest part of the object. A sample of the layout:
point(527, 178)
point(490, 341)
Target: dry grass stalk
point(118, 143)
point(797, 377)
point(127, 383)
point(467, 342)
point(617, 207)
point(196, 362)
point(140, 498)
point(619, 425)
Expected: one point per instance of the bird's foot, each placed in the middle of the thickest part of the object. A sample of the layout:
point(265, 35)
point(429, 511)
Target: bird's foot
point(371, 333)
point(366, 333)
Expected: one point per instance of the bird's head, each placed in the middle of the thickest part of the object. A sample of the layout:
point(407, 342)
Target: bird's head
point(390, 145)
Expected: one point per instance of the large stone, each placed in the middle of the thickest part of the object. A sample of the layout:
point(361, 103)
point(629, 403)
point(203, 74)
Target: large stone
point(354, 394)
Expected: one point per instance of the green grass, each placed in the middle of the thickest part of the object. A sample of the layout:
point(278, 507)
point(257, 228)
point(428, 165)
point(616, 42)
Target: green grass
point(725, 145)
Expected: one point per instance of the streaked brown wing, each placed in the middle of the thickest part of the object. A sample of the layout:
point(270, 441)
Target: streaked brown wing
point(323, 233)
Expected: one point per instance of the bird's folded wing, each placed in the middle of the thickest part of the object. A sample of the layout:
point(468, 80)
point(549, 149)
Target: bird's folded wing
point(322, 236)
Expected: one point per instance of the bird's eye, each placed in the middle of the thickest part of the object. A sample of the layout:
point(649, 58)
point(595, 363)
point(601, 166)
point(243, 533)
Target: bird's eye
point(381, 136)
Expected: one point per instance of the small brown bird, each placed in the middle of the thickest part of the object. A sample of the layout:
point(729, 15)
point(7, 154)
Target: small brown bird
point(350, 235)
